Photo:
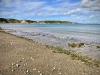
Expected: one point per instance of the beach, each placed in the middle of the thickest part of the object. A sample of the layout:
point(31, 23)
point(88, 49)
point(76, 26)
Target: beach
point(61, 35)
point(21, 56)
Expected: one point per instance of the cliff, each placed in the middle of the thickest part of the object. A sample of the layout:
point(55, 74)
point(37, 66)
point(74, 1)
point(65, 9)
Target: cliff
point(3, 20)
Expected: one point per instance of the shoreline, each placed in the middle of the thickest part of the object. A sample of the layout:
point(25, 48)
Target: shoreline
point(19, 55)
point(90, 48)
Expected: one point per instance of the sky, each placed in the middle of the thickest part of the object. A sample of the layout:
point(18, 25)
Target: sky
point(81, 11)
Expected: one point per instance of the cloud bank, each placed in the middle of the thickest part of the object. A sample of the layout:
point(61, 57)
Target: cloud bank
point(51, 9)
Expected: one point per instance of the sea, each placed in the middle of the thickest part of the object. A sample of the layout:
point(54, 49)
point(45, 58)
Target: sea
point(57, 34)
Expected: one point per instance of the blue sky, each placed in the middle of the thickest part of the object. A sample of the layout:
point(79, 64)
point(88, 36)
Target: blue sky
point(81, 11)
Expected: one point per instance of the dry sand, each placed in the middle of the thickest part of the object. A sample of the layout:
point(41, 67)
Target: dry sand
point(19, 56)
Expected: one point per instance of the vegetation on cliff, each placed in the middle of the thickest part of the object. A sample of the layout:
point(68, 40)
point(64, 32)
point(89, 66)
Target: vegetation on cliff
point(3, 20)
point(56, 22)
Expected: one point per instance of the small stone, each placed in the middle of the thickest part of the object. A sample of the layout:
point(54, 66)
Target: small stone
point(32, 58)
point(25, 64)
point(54, 68)
point(27, 70)
point(60, 73)
point(34, 69)
point(20, 61)
point(82, 73)
point(13, 70)
point(17, 65)
point(11, 43)
point(38, 71)
point(83, 62)
point(97, 71)
point(12, 64)
point(41, 74)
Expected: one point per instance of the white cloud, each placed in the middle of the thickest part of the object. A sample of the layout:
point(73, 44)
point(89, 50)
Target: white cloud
point(73, 15)
point(39, 14)
point(4, 13)
point(92, 16)
point(93, 4)
point(10, 3)
point(74, 11)
point(80, 18)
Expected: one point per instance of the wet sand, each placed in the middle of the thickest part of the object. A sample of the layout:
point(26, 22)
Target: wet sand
point(20, 56)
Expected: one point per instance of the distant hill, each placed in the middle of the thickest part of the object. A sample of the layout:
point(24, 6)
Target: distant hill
point(55, 22)
point(3, 20)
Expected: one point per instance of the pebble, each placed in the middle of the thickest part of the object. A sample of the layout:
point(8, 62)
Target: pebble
point(92, 73)
point(97, 71)
point(13, 70)
point(11, 43)
point(41, 74)
point(25, 64)
point(32, 58)
point(38, 71)
point(27, 70)
point(12, 64)
point(82, 73)
point(34, 69)
point(60, 73)
point(17, 65)
point(83, 62)
point(54, 68)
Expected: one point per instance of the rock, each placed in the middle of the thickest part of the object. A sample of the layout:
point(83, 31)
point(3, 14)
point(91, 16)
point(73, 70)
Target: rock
point(13, 70)
point(32, 58)
point(38, 71)
point(41, 74)
point(54, 68)
point(34, 69)
point(25, 64)
point(27, 70)
point(17, 65)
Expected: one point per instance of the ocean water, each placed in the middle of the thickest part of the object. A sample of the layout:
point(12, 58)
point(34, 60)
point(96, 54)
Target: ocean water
point(60, 35)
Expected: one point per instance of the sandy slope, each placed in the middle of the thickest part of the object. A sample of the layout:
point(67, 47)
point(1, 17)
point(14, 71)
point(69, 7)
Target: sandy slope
point(19, 56)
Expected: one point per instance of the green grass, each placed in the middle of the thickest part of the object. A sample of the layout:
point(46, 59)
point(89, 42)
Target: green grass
point(76, 45)
point(75, 56)
point(98, 46)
